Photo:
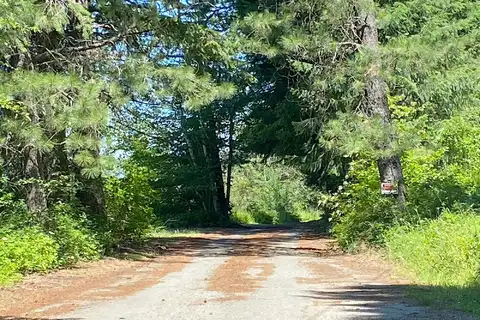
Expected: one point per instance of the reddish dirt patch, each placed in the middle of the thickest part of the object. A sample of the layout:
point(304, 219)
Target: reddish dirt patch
point(342, 269)
point(336, 267)
point(322, 272)
point(65, 290)
point(238, 277)
point(323, 245)
point(245, 272)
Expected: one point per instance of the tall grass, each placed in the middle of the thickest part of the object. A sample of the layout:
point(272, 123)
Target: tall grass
point(445, 255)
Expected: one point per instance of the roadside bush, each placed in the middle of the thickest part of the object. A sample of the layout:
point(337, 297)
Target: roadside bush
point(441, 166)
point(8, 271)
point(242, 217)
point(271, 194)
point(433, 183)
point(445, 251)
point(76, 242)
point(361, 213)
point(13, 213)
point(30, 243)
point(129, 206)
point(24, 251)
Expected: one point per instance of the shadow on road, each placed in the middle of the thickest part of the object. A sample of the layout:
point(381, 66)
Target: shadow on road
point(251, 241)
point(395, 302)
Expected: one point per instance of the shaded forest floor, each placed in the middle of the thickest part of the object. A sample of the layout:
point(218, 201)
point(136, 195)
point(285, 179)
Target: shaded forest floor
point(243, 273)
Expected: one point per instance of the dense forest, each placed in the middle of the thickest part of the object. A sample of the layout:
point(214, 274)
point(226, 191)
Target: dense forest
point(121, 116)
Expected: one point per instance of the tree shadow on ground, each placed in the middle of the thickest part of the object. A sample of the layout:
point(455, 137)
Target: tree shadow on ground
point(312, 227)
point(398, 301)
point(262, 242)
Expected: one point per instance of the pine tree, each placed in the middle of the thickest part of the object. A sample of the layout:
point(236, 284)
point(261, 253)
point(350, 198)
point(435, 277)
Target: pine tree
point(331, 66)
point(376, 105)
point(50, 63)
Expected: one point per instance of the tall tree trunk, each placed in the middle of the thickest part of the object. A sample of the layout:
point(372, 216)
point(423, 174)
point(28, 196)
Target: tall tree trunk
point(97, 193)
point(389, 168)
point(97, 187)
point(212, 197)
point(36, 197)
point(222, 205)
point(183, 125)
point(231, 129)
point(215, 167)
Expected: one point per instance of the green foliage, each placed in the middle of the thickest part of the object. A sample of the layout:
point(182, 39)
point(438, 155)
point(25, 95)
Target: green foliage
point(444, 256)
point(444, 252)
point(129, 205)
point(41, 242)
point(243, 217)
point(271, 193)
point(76, 242)
point(13, 213)
point(24, 251)
point(430, 54)
point(439, 172)
point(361, 213)
point(70, 69)
point(53, 239)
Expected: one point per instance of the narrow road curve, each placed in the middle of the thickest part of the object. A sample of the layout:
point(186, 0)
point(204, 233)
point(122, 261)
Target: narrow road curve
point(228, 274)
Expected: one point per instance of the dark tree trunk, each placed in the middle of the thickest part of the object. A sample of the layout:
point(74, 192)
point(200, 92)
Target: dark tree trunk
point(390, 168)
point(215, 167)
point(97, 196)
point(96, 188)
point(36, 197)
point(231, 129)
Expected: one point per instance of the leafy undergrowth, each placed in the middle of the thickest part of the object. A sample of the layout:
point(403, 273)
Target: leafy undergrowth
point(245, 217)
point(444, 256)
point(272, 193)
point(24, 251)
point(32, 249)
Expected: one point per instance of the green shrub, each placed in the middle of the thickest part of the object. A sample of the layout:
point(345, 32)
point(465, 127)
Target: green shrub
point(76, 242)
point(361, 213)
point(13, 213)
point(441, 168)
point(440, 252)
point(24, 251)
point(271, 193)
point(129, 206)
point(33, 243)
point(307, 214)
point(8, 271)
point(243, 217)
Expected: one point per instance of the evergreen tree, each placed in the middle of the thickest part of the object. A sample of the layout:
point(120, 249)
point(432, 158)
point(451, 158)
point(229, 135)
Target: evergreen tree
point(338, 73)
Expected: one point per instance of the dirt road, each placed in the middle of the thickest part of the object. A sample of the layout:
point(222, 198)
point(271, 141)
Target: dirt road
point(230, 274)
